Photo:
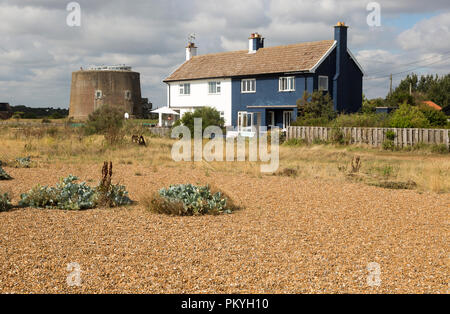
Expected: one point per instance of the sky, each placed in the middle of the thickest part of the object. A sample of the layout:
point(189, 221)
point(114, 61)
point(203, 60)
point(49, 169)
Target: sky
point(39, 51)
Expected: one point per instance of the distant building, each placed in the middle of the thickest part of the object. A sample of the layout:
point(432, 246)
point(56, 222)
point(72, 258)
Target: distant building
point(260, 86)
point(105, 85)
point(5, 111)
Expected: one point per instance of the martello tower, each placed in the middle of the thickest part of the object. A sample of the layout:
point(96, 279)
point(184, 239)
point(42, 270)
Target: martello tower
point(105, 85)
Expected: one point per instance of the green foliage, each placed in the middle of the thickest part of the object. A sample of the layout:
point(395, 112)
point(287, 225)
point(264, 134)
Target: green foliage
point(440, 149)
point(69, 195)
point(362, 120)
point(388, 145)
point(3, 174)
point(409, 117)
point(108, 121)
point(315, 106)
point(435, 117)
point(5, 202)
point(390, 135)
point(190, 200)
point(66, 195)
point(210, 117)
point(337, 136)
point(294, 142)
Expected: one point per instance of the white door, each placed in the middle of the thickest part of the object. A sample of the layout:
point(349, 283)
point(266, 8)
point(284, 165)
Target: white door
point(287, 118)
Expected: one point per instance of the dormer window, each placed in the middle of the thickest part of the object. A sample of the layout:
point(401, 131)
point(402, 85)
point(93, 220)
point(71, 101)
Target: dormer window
point(98, 94)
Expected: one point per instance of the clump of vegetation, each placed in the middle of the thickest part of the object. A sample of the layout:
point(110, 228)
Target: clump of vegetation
point(109, 194)
point(315, 109)
point(23, 162)
point(295, 142)
point(388, 143)
point(394, 185)
point(409, 117)
point(107, 120)
point(69, 195)
point(190, 200)
point(5, 202)
point(440, 149)
point(210, 117)
point(288, 172)
point(356, 164)
point(3, 174)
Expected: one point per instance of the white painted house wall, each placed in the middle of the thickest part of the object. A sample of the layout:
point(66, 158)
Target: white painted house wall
point(200, 97)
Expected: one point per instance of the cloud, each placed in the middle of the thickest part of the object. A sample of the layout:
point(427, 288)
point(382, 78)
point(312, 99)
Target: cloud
point(39, 51)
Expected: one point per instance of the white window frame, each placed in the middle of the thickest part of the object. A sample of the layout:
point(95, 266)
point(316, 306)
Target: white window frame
point(98, 94)
point(216, 90)
point(246, 86)
point(318, 83)
point(286, 84)
point(182, 89)
point(287, 119)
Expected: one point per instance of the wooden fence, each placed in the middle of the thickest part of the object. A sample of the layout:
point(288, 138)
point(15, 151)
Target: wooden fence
point(372, 136)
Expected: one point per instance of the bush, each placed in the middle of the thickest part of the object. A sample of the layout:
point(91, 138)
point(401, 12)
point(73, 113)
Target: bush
point(440, 149)
point(209, 116)
point(5, 202)
point(337, 136)
point(435, 117)
point(190, 200)
point(409, 117)
point(69, 195)
point(388, 145)
point(390, 135)
point(368, 120)
point(108, 121)
point(66, 195)
point(3, 174)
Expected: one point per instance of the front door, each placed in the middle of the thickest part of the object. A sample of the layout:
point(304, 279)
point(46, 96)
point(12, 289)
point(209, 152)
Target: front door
point(287, 118)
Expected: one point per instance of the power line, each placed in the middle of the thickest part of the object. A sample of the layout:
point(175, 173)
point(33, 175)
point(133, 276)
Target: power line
point(406, 71)
point(410, 63)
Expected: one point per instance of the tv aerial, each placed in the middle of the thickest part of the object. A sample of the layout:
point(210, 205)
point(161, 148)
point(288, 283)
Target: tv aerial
point(191, 37)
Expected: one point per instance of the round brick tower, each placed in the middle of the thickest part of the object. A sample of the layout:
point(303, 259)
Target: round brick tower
point(109, 85)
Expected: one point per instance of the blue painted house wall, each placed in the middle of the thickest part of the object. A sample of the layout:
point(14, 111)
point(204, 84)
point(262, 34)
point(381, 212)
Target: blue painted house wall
point(344, 86)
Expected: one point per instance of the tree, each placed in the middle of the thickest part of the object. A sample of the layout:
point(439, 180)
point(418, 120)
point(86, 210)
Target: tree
point(408, 116)
point(316, 105)
point(209, 116)
point(107, 120)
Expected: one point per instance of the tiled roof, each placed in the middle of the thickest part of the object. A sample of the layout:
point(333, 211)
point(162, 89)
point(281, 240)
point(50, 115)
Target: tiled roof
point(281, 59)
point(432, 105)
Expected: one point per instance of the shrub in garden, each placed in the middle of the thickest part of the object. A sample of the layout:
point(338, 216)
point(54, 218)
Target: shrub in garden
point(409, 117)
point(190, 200)
point(210, 117)
point(5, 202)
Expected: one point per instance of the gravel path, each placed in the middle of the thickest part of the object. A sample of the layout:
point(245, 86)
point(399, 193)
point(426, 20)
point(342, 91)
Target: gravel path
point(294, 236)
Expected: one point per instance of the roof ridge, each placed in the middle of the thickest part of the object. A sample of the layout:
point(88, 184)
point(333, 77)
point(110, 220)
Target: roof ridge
point(265, 48)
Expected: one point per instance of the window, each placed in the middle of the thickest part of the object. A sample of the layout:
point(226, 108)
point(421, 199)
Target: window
point(222, 114)
point(248, 86)
point(185, 89)
point(214, 87)
point(286, 84)
point(98, 94)
point(127, 95)
point(323, 83)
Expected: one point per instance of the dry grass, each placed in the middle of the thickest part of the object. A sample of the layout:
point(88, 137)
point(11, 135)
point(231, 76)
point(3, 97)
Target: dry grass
point(312, 233)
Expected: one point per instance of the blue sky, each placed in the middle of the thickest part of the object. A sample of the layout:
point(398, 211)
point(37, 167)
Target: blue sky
point(39, 51)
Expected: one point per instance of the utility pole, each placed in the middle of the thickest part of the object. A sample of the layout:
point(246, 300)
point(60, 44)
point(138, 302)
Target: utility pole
point(390, 88)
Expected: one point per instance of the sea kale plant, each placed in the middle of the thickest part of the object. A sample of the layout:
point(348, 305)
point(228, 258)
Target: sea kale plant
point(190, 200)
point(70, 195)
point(5, 202)
point(3, 174)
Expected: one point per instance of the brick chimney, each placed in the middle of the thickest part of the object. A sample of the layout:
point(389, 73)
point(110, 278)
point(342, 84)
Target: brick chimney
point(255, 41)
point(191, 51)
